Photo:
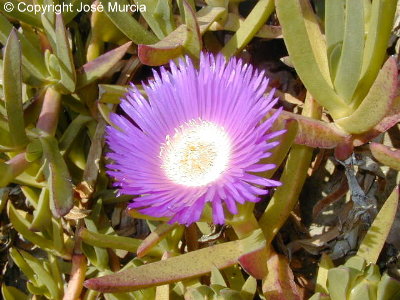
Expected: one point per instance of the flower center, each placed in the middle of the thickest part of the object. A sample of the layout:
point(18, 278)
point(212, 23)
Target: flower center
point(197, 154)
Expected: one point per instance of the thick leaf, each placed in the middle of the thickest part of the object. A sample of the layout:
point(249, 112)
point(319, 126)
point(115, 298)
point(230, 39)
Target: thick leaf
point(324, 265)
point(317, 39)
point(315, 133)
point(22, 264)
point(334, 32)
point(388, 288)
point(350, 63)
point(32, 59)
point(373, 242)
point(380, 26)
point(34, 151)
point(233, 22)
point(12, 86)
point(42, 275)
point(249, 288)
point(12, 293)
point(159, 17)
point(193, 41)
point(114, 242)
point(248, 29)
point(341, 280)
point(58, 178)
point(95, 69)
point(376, 104)
point(386, 155)
point(22, 226)
point(111, 93)
point(189, 265)
point(49, 29)
point(390, 120)
point(64, 55)
point(96, 255)
point(42, 214)
point(104, 30)
point(172, 46)
point(72, 132)
point(279, 283)
point(12, 168)
point(299, 43)
point(154, 238)
point(21, 13)
point(7, 174)
point(126, 22)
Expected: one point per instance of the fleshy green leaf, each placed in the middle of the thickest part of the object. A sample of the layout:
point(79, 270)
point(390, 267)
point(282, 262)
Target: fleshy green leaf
point(248, 29)
point(126, 23)
point(172, 46)
point(334, 32)
point(72, 131)
point(95, 69)
point(58, 178)
point(34, 151)
point(12, 86)
point(308, 61)
point(32, 59)
point(7, 174)
point(20, 13)
point(159, 16)
point(386, 155)
point(376, 104)
point(388, 288)
point(111, 93)
point(188, 265)
point(373, 242)
point(350, 62)
point(22, 226)
point(42, 275)
point(154, 238)
point(324, 265)
point(379, 30)
point(315, 133)
point(114, 242)
point(216, 277)
point(340, 281)
point(42, 214)
point(193, 41)
point(249, 288)
point(12, 293)
point(64, 55)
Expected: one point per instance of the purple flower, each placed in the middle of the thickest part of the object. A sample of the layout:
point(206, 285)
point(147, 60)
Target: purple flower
point(198, 138)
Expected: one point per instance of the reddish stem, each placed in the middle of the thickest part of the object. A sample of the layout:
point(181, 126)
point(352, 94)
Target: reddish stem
point(78, 271)
point(48, 117)
point(18, 164)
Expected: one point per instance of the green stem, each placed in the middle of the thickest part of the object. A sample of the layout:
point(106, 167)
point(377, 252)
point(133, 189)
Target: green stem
point(294, 175)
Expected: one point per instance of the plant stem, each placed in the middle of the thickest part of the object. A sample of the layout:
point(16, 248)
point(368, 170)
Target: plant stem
point(48, 118)
point(286, 196)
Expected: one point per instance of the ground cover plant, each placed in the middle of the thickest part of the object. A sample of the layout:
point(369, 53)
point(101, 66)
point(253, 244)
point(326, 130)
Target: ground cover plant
point(216, 149)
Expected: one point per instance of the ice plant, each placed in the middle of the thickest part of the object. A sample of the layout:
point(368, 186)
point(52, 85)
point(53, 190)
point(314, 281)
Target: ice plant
point(198, 138)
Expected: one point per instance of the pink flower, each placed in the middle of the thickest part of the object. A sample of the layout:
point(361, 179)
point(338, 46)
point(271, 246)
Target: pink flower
point(198, 138)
